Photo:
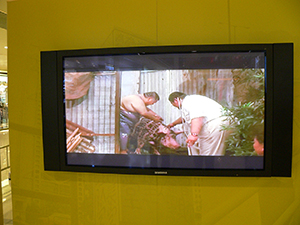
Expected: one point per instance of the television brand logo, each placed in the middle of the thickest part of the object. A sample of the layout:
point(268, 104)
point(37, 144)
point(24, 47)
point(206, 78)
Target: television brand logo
point(160, 172)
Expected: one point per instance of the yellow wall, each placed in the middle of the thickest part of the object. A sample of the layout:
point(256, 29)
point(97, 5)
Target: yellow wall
point(43, 198)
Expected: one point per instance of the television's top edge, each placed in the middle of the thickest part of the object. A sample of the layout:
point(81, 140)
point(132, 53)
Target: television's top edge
point(199, 47)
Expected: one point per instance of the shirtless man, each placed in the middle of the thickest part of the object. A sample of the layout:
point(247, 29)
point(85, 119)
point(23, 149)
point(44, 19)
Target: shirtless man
point(132, 108)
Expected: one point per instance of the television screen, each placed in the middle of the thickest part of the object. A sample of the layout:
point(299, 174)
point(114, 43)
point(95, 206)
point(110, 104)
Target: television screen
point(176, 110)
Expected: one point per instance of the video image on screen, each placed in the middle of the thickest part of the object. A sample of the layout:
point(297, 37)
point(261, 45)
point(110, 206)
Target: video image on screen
point(201, 105)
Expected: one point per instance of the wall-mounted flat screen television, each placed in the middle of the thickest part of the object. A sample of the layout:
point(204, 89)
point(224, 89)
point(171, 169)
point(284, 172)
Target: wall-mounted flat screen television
point(208, 110)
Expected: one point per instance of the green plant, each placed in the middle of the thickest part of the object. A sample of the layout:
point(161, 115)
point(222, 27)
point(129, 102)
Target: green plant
point(246, 118)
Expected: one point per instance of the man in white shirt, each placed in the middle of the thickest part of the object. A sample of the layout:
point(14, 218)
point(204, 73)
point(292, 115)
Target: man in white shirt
point(204, 117)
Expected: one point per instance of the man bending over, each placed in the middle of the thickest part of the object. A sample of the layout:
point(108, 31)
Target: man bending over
point(132, 108)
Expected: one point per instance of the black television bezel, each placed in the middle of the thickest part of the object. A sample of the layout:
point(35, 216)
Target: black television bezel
point(279, 110)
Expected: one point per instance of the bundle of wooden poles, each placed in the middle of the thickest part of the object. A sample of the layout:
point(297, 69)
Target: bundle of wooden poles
point(79, 139)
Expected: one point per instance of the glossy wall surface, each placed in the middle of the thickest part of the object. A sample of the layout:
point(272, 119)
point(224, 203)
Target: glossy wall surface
point(41, 197)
